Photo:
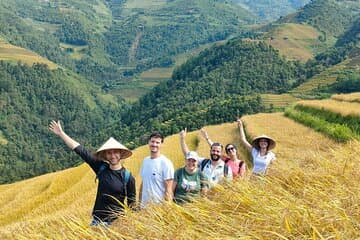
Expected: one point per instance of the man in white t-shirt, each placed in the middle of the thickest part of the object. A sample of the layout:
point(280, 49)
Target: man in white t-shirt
point(157, 173)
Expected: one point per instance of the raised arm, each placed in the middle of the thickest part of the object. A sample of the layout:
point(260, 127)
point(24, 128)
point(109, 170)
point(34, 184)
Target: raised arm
point(56, 128)
point(243, 140)
point(184, 147)
point(206, 136)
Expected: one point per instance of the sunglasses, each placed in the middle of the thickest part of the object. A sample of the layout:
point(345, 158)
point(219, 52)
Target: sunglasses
point(230, 149)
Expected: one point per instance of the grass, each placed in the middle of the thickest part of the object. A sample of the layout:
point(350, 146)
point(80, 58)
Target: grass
point(135, 89)
point(3, 140)
point(41, 26)
point(278, 101)
point(144, 3)
point(324, 78)
point(343, 108)
point(311, 192)
point(337, 131)
point(351, 97)
point(156, 73)
point(82, 87)
point(338, 119)
point(295, 41)
point(148, 79)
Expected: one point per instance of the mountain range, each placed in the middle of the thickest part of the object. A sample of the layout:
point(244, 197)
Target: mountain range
point(73, 60)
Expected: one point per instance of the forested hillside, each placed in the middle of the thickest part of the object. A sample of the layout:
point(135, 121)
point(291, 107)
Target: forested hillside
point(331, 17)
point(217, 86)
point(110, 41)
point(30, 98)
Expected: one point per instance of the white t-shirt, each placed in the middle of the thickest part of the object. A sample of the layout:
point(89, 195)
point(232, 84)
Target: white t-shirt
point(154, 172)
point(261, 162)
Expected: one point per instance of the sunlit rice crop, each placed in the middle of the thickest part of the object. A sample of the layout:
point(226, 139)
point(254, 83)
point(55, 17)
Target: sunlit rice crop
point(311, 192)
point(342, 107)
point(351, 97)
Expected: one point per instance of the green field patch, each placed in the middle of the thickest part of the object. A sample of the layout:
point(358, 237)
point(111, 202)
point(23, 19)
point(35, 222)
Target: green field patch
point(3, 140)
point(336, 125)
point(146, 4)
point(337, 131)
point(133, 90)
point(296, 41)
point(81, 87)
point(354, 60)
point(351, 97)
point(102, 10)
point(157, 73)
point(74, 51)
point(278, 101)
point(41, 25)
point(322, 79)
point(130, 93)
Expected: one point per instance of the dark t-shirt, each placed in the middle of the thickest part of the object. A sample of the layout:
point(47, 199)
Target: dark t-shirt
point(111, 188)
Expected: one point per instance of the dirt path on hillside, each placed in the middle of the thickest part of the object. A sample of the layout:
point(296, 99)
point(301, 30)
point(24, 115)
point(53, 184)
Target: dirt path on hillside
point(134, 48)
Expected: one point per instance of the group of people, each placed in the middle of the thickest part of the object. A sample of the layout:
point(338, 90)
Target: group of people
point(159, 180)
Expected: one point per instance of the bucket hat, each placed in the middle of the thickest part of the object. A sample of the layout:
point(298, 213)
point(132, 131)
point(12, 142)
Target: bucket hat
point(255, 142)
point(112, 143)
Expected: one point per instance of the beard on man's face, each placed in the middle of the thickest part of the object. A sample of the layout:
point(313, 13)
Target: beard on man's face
point(215, 157)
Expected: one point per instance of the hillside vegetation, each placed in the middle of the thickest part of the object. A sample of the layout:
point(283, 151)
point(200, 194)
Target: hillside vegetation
point(340, 78)
point(11, 53)
point(311, 191)
point(337, 119)
point(217, 84)
point(30, 98)
point(352, 97)
point(295, 41)
point(271, 10)
point(331, 17)
point(109, 42)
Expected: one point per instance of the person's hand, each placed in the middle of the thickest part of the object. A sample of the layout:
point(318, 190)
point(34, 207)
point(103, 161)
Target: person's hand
point(183, 133)
point(204, 133)
point(240, 123)
point(55, 127)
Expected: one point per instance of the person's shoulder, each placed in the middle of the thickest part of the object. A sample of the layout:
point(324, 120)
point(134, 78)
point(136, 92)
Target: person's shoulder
point(179, 170)
point(254, 150)
point(164, 158)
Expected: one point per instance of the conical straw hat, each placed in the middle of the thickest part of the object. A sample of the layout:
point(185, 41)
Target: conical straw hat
point(255, 142)
point(113, 144)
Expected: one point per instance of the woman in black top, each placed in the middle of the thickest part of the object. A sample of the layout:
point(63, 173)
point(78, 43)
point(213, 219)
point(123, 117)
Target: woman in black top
point(115, 182)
